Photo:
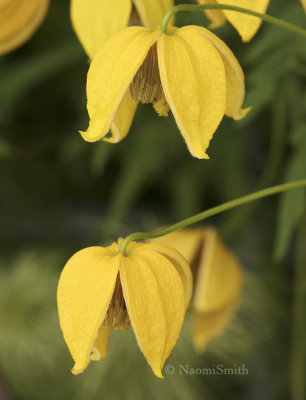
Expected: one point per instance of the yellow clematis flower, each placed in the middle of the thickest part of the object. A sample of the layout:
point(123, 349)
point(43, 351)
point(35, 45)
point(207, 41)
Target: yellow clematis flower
point(19, 19)
point(246, 25)
point(190, 71)
point(99, 288)
point(218, 280)
point(96, 20)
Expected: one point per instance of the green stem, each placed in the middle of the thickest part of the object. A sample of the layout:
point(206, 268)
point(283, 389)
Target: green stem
point(277, 144)
point(212, 211)
point(200, 7)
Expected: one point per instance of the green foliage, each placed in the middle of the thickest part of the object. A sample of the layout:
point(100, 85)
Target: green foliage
point(30, 342)
point(30, 72)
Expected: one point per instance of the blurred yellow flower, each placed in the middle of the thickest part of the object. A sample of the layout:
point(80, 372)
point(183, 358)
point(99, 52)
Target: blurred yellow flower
point(96, 20)
point(190, 71)
point(99, 288)
point(19, 19)
point(246, 25)
point(217, 277)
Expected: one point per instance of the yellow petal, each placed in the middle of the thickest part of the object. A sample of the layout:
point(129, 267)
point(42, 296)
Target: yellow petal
point(235, 87)
point(19, 19)
point(155, 300)
point(151, 12)
point(84, 292)
point(123, 119)
point(304, 4)
point(193, 78)
point(219, 277)
point(110, 75)
point(210, 324)
point(96, 20)
point(214, 304)
point(186, 241)
point(246, 25)
point(99, 348)
point(180, 263)
point(216, 16)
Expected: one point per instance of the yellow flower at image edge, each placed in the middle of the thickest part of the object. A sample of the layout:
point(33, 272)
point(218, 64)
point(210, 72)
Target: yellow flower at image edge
point(96, 20)
point(100, 288)
point(19, 19)
point(190, 71)
point(217, 280)
point(246, 25)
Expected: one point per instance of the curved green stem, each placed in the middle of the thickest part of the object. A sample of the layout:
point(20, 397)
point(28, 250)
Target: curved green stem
point(200, 7)
point(276, 149)
point(212, 211)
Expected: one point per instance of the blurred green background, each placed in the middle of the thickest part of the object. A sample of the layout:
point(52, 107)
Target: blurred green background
point(59, 194)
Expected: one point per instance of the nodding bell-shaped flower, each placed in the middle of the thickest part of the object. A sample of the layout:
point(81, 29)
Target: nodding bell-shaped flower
point(149, 289)
point(190, 72)
point(217, 277)
point(94, 21)
point(19, 19)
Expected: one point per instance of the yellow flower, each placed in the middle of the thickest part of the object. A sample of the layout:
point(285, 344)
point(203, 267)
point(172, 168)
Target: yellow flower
point(218, 280)
point(19, 19)
point(190, 71)
point(246, 25)
point(96, 20)
point(99, 288)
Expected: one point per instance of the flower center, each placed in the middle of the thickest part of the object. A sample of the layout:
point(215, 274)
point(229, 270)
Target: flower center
point(117, 315)
point(146, 85)
point(134, 17)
